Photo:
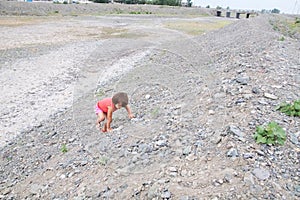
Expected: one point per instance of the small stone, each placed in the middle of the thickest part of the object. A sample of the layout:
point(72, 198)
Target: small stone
point(232, 153)
point(211, 112)
point(294, 139)
point(255, 90)
point(270, 96)
point(166, 195)
point(248, 179)
point(227, 178)
point(260, 153)
point(161, 143)
point(261, 174)
point(236, 131)
point(6, 191)
point(147, 96)
point(187, 150)
point(172, 169)
point(243, 80)
point(248, 155)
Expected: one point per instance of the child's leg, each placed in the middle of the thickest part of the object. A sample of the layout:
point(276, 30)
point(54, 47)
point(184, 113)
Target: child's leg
point(104, 129)
point(100, 118)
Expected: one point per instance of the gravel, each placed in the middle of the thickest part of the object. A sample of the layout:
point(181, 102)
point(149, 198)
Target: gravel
point(197, 101)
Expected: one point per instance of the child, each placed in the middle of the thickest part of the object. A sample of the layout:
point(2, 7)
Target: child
point(107, 106)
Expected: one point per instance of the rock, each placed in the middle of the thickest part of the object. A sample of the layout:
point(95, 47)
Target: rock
point(166, 194)
point(232, 153)
point(153, 192)
point(248, 155)
point(261, 174)
point(270, 96)
point(243, 80)
point(235, 131)
point(187, 150)
point(147, 96)
point(248, 178)
point(255, 90)
point(293, 138)
point(173, 169)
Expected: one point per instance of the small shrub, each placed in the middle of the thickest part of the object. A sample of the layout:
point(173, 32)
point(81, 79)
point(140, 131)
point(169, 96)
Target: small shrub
point(270, 134)
point(292, 109)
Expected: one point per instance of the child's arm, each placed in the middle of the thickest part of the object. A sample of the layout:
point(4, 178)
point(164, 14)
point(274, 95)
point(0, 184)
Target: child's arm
point(109, 118)
point(130, 115)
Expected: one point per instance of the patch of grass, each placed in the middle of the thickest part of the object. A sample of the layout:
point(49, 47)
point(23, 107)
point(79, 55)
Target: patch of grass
point(109, 32)
point(196, 27)
point(13, 21)
point(288, 27)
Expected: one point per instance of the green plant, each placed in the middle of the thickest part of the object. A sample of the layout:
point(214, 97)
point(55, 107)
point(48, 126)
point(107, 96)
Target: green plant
point(64, 148)
point(281, 39)
point(103, 160)
point(270, 134)
point(292, 109)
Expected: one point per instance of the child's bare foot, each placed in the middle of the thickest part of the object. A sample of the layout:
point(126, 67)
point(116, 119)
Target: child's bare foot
point(104, 129)
point(109, 129)
point(97, 125)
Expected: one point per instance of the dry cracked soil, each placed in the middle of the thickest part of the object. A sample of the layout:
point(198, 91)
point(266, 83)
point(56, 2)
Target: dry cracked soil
point(199, 85)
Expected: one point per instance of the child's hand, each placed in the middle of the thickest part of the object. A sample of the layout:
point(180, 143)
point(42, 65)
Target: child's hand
point(130, 116)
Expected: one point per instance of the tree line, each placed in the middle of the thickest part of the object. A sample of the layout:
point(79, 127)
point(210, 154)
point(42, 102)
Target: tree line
point(153, 2)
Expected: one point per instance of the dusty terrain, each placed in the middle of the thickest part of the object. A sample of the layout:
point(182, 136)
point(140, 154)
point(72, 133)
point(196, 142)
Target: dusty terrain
point(198, 85)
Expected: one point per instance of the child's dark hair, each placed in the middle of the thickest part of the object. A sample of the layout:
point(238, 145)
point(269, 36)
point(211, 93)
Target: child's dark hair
point(120, 97)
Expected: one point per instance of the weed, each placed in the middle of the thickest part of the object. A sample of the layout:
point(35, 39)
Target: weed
point(103, 160)
point(270, 134)
point(64, 148)
point(292, 109)
point(281, 39)
point(155, 112)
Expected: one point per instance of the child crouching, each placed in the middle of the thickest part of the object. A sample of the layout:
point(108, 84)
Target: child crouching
point(106, 107)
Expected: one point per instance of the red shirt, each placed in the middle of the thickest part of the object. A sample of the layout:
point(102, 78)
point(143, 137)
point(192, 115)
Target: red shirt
point(104, 103)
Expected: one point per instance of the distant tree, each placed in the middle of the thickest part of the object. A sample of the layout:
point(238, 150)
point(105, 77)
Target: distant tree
point(189, 3)
point(208, 6)
point(101, 1)
point(228, 8)
point(275, 10)
point(264, 11)
point(218, 7)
